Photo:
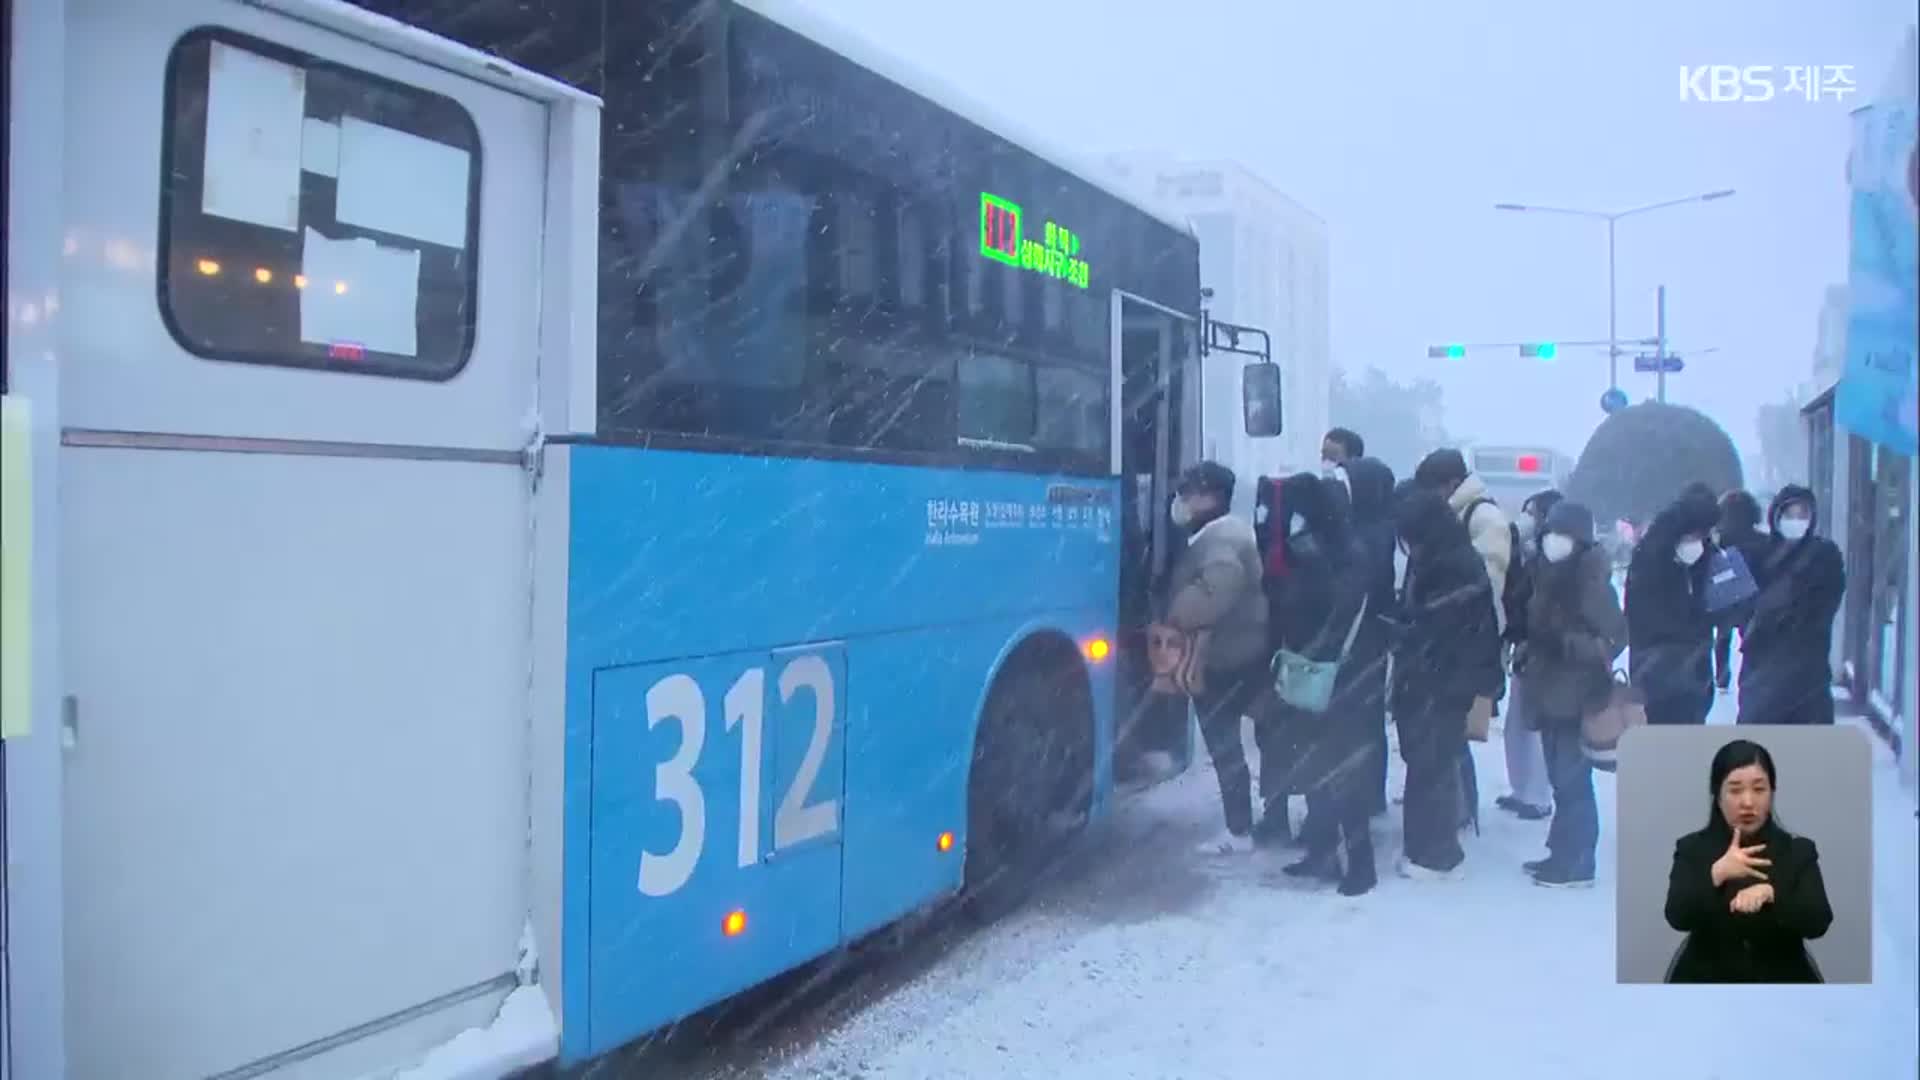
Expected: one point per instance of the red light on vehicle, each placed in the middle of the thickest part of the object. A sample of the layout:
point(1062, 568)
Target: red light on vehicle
point(945, 843)
point(1528, 463)
point(734, 924)
point(346, 350)
point(1097, 649)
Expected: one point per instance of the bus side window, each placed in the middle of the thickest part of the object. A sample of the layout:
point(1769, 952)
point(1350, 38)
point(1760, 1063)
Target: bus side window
point(313, 215)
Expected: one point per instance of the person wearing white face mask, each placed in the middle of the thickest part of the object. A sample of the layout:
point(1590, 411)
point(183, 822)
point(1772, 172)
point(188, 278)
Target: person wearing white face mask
point(1669, 631)
point(1214, 586)
point(1531, 798)
point(1785, 676)
point(1574, 631)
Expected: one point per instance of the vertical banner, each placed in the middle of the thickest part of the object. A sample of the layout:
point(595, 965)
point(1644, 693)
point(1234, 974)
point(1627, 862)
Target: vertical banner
point(16, 536)
point(1878, 396)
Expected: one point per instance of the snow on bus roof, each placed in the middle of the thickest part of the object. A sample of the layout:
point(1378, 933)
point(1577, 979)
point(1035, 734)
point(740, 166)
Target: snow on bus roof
point(802, 19)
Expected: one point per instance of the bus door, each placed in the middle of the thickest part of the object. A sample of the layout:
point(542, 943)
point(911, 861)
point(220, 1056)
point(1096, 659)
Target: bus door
point(1157, 415)
point(303, 346)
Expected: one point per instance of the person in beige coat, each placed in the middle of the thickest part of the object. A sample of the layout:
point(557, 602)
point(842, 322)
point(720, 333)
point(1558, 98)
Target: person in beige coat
point(1215, 586)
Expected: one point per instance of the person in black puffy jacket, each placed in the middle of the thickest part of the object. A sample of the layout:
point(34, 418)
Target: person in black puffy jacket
point(1322, 604)
point(1669, 633)
point(1312, 598)
point(1785, 675)
point(1446, 654)
point(1372, 484)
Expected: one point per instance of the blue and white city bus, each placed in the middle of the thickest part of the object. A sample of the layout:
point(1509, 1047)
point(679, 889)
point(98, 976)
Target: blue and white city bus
point(563, 512)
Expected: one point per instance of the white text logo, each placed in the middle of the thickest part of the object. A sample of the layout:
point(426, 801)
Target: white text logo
point(1765, 82)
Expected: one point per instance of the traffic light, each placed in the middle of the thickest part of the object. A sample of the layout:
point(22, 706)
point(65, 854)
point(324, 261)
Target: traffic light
point(1451, 352)
point(1545, 350)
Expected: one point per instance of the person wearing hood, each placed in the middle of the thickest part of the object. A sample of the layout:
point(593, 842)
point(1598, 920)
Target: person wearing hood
point(1215, 586)
point(1445, 471)
point(1318, 610)
point(1372, 484)
point(1446, 654)
point(1739, 531)
point(1669, 633)
point(1785, 675)
point(1574, 632)
point(1531, 797)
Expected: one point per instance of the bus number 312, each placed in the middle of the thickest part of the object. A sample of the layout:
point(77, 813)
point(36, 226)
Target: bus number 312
point(679, 698)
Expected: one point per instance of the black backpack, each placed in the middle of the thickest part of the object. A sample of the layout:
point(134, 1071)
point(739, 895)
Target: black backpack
point(1517, 592)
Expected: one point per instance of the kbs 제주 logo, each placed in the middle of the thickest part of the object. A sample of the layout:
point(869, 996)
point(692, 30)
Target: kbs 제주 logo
point(1752, 83)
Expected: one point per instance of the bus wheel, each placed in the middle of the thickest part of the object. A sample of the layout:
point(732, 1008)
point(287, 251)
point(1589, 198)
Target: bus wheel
point(1031, 781)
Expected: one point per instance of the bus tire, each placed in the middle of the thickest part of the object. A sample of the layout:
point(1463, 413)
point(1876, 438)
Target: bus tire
point(1030, 781)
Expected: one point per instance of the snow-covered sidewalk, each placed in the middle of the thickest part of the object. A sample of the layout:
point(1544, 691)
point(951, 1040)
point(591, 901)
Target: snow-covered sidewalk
point(1157, 962)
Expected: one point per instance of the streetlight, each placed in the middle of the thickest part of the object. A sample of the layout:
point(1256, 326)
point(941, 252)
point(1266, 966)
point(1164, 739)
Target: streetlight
point(1613, 346)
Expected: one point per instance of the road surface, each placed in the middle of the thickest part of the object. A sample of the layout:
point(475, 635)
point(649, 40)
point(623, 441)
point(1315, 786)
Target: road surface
point(1145, 959)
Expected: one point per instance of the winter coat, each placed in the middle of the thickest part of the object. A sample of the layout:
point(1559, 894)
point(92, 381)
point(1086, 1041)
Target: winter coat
point(1372, 498)
point(1575, 631)
point(1215, 585)
point(1767, 946)
point(1447, 649)
point(1487, 528)
point(1316, 604)
point(1669, 633)
point(1785, 674)
point(1313, 602)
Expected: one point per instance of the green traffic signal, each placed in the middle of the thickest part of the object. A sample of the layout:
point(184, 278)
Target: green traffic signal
point(1545, 350)
point(1455, 352)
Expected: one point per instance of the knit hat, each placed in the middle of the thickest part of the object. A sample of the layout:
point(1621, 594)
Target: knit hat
point(1569, 518)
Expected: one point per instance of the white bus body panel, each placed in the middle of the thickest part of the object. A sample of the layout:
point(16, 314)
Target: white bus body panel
point(297, 791)
point(32, 1000)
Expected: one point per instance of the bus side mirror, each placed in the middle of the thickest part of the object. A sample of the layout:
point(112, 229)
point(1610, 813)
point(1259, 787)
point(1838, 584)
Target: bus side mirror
point(1260, 399)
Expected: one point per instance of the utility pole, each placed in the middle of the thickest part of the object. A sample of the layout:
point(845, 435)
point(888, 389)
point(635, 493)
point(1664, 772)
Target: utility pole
point(1660, 351)
point(1613, 332)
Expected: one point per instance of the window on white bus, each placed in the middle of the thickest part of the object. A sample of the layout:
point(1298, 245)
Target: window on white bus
point(830, 292)
point(284, 238)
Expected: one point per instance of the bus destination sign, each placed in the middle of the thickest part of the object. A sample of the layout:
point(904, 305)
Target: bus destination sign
point(1003, 239)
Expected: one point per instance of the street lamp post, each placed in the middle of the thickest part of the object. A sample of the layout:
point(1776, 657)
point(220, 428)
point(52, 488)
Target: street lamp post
point(1613, 318)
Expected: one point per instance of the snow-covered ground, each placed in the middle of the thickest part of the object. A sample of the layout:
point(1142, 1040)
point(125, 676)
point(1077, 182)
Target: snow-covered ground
point(1159, 962)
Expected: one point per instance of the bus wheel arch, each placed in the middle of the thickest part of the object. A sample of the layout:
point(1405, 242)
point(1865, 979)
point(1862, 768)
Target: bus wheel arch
point(1030, 769)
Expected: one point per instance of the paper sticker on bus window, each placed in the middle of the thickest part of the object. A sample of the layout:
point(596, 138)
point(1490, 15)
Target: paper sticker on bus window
point(359, 296)
point(401, 184)
point(255, 113)
point(320, 147)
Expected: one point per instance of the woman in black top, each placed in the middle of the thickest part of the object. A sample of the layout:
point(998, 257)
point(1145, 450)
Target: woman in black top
point(1747, 893)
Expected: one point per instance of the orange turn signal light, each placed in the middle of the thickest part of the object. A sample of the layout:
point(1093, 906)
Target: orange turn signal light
point(945, 843)
point(734, 924)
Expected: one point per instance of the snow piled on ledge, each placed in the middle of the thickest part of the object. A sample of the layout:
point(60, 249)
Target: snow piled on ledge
point(523, 1034)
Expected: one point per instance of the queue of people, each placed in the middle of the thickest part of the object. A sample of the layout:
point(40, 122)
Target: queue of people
point(1353, 600)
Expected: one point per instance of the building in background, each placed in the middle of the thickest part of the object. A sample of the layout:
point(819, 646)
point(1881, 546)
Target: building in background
point(1830, 341)
point(1859, 421)
point(1265, 257)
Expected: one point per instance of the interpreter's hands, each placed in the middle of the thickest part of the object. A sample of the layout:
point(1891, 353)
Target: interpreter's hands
point(1752, 898)
point(1740, 862)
